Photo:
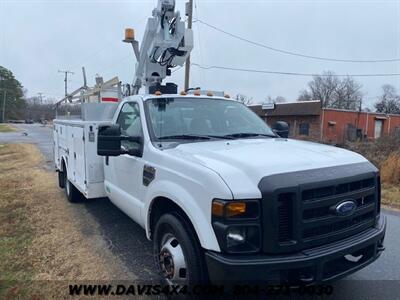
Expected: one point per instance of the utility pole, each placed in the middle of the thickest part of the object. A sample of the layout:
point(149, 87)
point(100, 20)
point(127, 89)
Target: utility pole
point(189, 14)
point(4, 103)
point(40, 97)
point(4, 106)
point(66, 79)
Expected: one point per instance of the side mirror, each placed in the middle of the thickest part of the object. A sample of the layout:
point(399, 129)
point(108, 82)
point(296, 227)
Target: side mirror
point(109, 142)
point(281, 128)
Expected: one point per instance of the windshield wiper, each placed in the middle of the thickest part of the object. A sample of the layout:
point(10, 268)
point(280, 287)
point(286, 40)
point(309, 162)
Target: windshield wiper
point(249, 134)
point(184, 137)
point(195, 137)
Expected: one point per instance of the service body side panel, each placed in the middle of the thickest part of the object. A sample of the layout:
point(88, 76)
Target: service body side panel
point(75, 143)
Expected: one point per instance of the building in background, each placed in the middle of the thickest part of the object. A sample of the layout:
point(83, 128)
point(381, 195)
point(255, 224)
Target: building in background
point(308, 121)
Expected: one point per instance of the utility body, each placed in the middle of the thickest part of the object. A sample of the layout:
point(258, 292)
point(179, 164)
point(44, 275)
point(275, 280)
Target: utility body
point(221, 195)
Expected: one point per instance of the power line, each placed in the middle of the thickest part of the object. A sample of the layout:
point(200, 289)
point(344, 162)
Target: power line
point(295, 53)
point(293, 73)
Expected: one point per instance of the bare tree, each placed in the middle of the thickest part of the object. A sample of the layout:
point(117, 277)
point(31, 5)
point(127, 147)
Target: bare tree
point(333, 92)
point(37, 110)
point(389, 101)
point(305, 96)
point(277, 99)
point(347, 95)
point(244, 99)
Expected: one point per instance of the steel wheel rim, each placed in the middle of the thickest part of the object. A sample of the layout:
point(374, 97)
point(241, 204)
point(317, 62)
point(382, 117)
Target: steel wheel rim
point(172, 260)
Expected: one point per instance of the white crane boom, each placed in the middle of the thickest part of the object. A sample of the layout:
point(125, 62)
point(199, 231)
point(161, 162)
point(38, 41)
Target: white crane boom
point(166, 44)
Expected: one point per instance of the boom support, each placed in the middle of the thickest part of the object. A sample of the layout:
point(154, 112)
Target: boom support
point(166, 44)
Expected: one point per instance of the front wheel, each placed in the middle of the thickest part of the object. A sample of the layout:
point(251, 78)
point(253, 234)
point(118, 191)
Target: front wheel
point(177, 251)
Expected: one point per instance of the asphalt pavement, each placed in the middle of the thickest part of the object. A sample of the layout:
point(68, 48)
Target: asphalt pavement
point(127, 240)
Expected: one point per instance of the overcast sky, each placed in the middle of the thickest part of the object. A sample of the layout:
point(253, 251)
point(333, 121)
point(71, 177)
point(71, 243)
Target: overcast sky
point(38, 38)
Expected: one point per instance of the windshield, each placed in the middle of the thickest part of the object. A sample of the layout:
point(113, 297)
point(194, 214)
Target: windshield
point(202, 118)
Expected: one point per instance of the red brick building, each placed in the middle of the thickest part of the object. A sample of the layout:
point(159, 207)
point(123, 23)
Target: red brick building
point(308, 121)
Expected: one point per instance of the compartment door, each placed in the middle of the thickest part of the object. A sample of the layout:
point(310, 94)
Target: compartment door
point(79, 157)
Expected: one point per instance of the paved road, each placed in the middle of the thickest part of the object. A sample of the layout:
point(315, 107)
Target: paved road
point(127, 240)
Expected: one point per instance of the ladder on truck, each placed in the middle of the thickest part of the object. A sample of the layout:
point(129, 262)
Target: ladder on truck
point(85, 102)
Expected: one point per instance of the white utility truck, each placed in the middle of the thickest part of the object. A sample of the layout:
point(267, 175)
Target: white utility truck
point(222, 195)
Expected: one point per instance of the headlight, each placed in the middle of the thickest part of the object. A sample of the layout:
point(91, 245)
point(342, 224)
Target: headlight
point(237, 225)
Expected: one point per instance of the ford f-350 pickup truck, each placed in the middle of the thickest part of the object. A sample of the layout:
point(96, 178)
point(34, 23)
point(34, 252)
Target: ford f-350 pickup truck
point(220, 194)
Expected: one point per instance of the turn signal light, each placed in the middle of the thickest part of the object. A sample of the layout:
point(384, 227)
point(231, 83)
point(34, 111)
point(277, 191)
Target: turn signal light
point(218, 209)
point(221, 209)
point(228, 209)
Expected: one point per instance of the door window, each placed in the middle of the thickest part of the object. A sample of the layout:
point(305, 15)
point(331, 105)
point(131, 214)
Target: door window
point(131, 125)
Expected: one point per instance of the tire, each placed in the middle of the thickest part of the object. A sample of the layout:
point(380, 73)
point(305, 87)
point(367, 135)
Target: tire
point(174, 239)
point(61, 179)
point(72, 193)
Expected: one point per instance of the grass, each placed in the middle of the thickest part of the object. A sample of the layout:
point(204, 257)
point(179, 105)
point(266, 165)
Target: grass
point(6, 128)
point(16, 234)
point(391, 195)
point(41, 242)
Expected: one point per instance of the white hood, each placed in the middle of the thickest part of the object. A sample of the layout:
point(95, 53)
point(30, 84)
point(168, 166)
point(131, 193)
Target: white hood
point(242, 163)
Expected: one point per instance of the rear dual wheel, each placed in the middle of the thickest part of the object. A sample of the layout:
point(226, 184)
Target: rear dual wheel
point(72, 193)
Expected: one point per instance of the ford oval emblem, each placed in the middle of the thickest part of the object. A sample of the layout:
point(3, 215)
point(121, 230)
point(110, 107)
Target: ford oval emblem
point(345, 208)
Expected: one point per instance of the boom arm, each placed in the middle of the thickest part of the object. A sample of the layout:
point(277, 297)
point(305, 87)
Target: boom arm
point(166, 44)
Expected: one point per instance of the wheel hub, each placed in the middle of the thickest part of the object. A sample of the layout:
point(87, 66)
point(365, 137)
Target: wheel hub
point(172, 260)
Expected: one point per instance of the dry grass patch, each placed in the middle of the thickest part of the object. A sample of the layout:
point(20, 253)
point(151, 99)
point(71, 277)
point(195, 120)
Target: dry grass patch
point(39, 238)
point(391, 195)
point(390, 170)
point(6, 128)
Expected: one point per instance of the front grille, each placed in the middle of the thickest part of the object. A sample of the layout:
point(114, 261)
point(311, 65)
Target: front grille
point(326, 191)
point(318, 221)
point(337, 226)
point(320, 212)
point(300, 209)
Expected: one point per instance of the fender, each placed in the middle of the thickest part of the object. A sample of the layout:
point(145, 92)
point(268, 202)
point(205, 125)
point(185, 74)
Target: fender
point(187, 203)
point(65, 160)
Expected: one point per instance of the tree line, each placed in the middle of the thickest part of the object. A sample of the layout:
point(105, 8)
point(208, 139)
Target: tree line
point(339, 93)
point(17, 106)
point(346, 93)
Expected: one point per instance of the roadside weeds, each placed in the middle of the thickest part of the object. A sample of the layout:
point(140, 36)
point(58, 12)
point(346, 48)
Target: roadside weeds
point(6, 128)
point(391, 196)
point(39, 239)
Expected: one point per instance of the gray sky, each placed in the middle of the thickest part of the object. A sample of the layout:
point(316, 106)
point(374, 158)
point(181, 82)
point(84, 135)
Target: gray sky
point(37, 38)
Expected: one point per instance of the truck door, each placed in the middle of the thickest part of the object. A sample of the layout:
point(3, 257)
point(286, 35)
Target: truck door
point(124, 173)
